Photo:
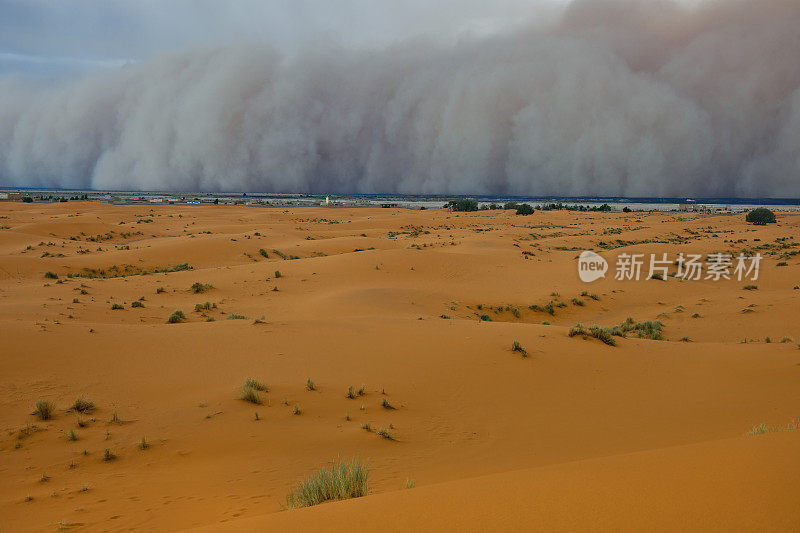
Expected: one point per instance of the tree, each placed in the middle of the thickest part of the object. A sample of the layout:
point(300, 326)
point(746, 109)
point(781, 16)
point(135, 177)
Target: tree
point(524, 209)
point(761, 216)
point(462, 205)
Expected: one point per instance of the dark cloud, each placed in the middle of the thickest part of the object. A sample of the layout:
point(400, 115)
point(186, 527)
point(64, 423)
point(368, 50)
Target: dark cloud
point(617, 97)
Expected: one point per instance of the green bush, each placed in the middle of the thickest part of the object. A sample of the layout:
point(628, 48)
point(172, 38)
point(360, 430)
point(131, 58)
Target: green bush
point(462, 205)
point(761, 216)
point(525, 209)
point(50, 275)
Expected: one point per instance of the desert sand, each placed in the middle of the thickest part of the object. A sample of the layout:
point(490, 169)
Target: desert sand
point(578, 435)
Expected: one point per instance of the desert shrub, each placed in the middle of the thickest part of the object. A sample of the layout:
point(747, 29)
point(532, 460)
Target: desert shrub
point(137, 304)
point(160, 290)
point(143, 444)
point(199, 308)
point(176, 317)
point(255, 384)
point(351, 393)
point(525, 209)
point(115, 307)
point(234, 316)
point(310, 385)
point(250, 394)
point(658, 276)
point(340, 481)
point(386, 405)
point(517, 347)
point(198, 287)
point(82, 405)
point(296, 409)
point(50, 275)
point(603, 334)
point(384, 433)
point(44, 409)
point(278, 274)
point(761, 216)
point(108, 455)
point(485, 318)
point(578, 302)
point(750, 287)
point(263, 252)
point(782, 264)
point(71, 435)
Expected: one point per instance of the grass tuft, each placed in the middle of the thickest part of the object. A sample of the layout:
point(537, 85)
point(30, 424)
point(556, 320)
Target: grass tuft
point(44, 409)
point(517, 347)
point(82, 405)
point(340, 481)
point(176, 317)
point(310, 385)
point(386, 405)
point(255, 384)
point(250, 394)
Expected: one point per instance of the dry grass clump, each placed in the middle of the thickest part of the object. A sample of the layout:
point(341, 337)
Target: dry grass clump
point(386, 405)
point(310, 385)
point(198, 287)
point(108, 455)
point(250, 394)
point(603, 334)
point(255, 384)
point(340, 481)
point(384, 434)
point(82, 405)
point(517, 347)
point(44, 409)
point(176, 317)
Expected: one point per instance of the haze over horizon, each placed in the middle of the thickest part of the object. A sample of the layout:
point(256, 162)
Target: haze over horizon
point(595, 97)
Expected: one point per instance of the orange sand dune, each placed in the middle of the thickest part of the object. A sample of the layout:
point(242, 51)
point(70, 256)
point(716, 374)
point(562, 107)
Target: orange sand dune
point(578, 435)
point(730, 485)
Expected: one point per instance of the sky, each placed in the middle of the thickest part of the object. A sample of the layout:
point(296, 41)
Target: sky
point(510, 97)
point(54, 38)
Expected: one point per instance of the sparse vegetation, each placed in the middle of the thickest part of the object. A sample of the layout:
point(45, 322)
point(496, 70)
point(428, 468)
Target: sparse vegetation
point(108, 455)
point(255, 384)
point(50, 275)
point(603, 334)
point(115, 307)
point(137, 303)
point(176, 317)
point(71, 435)
point(250, 394)
point(386, 405)
point(296, 409)
point(385, 434)
point(310, 386)
point(82, 405)
point(198, 288)
point(44, 409)
point(517, 347)
point(143, 444)
point(340, 481)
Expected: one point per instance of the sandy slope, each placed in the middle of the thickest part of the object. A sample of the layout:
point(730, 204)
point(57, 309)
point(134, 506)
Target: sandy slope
point(742, 484)
point(363, 303)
